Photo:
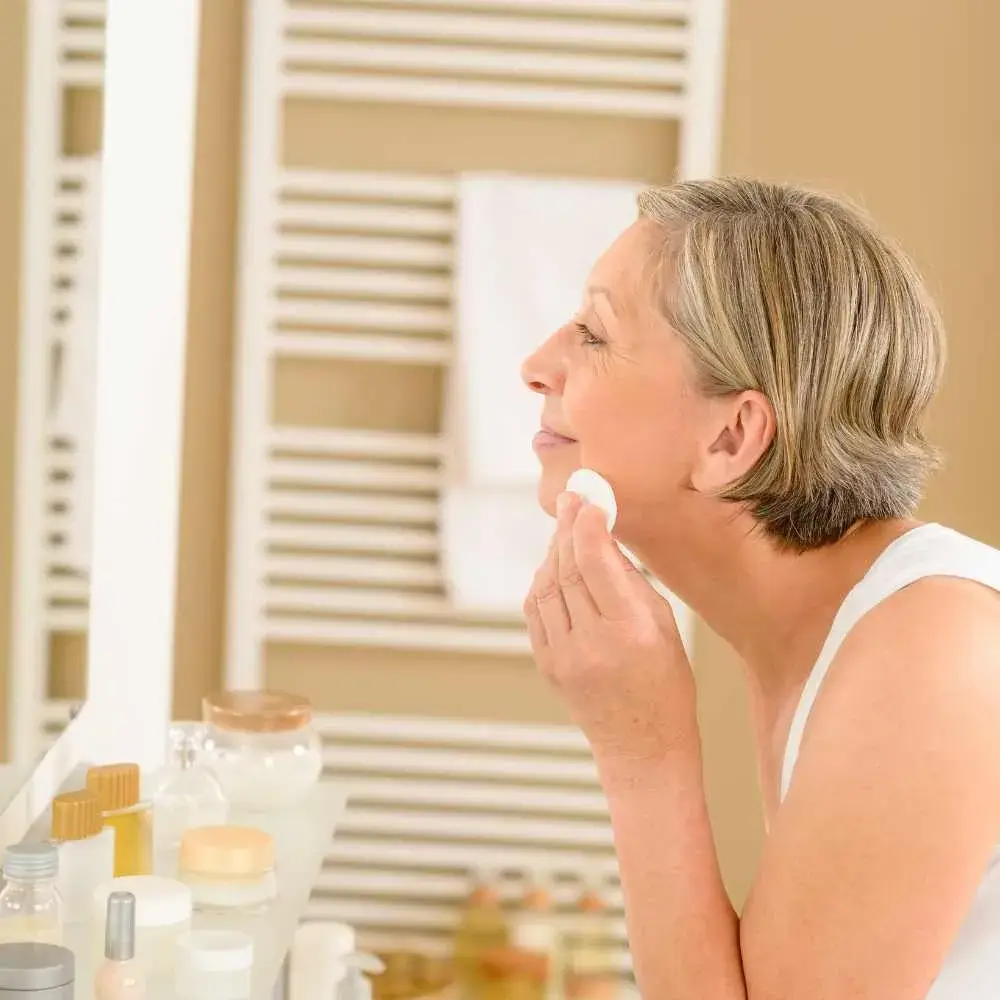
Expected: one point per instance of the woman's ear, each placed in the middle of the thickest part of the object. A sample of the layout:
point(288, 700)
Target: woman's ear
point(740, 431)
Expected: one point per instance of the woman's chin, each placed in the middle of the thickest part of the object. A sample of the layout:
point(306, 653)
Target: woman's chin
point(551, 484)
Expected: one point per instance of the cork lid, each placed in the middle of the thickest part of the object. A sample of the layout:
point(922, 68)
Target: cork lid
point(115, 785)
point(226, 851)
point(76, 816)
point(257, 711)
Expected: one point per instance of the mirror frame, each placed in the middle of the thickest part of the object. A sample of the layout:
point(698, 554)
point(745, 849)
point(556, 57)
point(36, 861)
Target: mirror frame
point(147, 166)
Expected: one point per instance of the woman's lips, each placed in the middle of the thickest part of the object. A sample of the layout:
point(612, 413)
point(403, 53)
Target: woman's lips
point(547, 438)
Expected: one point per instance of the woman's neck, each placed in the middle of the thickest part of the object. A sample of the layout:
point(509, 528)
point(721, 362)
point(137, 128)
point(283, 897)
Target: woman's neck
point(773, 606)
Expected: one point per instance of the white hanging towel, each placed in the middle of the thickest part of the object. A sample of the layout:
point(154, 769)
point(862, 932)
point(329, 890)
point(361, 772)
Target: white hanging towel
point(73, 418)
point(525, 247)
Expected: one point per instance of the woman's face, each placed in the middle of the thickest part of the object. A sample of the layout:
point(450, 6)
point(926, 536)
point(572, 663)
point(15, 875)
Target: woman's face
point(619, 390)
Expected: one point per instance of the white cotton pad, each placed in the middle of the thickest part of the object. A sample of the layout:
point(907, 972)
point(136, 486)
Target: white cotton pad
point(595, 489)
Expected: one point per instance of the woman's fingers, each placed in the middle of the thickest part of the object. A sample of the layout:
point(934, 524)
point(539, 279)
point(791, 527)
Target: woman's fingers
point(536, 627)
point(579, 603)
point(608, 576)
point(549, 597)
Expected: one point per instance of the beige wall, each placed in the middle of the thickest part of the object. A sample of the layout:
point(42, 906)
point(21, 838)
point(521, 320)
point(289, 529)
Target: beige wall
point(893, 103)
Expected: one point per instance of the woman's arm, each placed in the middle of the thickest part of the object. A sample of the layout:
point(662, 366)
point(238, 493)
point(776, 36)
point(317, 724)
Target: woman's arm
point(877, 852)
point(683, 931)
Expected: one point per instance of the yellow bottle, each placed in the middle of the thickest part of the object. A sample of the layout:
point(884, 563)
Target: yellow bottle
point(117, 789)
point(482, 929)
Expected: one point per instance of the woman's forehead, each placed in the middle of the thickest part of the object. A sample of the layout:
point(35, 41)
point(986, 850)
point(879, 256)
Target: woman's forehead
point(622, 272)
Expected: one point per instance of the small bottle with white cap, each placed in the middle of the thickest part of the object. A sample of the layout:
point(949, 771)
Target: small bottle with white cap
point(119, 976)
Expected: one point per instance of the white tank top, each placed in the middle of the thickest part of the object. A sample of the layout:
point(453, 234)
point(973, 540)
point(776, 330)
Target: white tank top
point(972, 968)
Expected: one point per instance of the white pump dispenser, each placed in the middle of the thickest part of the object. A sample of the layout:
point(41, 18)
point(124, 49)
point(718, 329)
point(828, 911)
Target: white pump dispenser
point(357, 984)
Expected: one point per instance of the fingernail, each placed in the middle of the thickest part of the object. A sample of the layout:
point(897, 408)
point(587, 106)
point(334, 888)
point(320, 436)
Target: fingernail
point(563, 501)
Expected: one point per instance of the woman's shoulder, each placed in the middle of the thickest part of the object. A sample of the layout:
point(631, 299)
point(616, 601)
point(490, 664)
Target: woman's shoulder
point(953, 570)
point(916, 642)
point(925, 660)
point(932, 599)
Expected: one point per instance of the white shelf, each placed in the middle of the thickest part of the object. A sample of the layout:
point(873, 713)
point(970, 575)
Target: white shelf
point(302, 838)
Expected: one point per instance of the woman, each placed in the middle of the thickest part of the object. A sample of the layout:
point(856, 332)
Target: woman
point(749, 370)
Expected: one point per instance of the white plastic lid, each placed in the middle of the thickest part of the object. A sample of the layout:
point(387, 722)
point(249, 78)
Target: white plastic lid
point(159, 902)
point(595, 489)
point(216, 951)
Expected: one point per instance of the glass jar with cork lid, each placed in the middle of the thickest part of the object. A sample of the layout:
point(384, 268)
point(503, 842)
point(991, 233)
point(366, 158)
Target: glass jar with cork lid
point(117, 789)
point(262, 747)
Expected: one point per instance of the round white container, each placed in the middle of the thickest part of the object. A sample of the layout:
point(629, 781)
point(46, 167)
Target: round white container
point(162, 915)
point(214, 965)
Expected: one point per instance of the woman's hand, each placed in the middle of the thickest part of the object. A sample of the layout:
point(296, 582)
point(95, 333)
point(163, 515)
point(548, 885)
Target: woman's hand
point(609, 645)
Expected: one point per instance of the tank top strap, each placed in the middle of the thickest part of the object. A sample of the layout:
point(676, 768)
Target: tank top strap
point(928, 550)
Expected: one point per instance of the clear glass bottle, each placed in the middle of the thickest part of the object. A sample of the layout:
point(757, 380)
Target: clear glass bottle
point(86, 851)
point(188, 795)
point(117, 789)
point(119, 976)
point(30, 905)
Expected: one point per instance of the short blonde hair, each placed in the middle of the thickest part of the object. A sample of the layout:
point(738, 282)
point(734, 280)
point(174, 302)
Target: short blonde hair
point(795, 294)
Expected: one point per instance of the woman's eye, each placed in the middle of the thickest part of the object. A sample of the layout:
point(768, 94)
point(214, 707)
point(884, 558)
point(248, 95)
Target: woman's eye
point(587, 336)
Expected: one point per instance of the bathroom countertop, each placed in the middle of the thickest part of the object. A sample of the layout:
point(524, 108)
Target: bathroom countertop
point(302, 839)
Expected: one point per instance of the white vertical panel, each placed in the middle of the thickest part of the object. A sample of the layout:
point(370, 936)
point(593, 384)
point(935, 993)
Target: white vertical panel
point(149, 126)
point(701, 126)
point(251, 383)
point(43, 126)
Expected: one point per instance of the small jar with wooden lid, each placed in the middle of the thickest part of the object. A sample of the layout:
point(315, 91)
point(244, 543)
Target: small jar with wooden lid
point(228, 868)
point(262, 747)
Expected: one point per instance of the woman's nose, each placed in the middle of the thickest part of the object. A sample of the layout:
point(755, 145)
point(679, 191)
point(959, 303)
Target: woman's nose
point(542, 371)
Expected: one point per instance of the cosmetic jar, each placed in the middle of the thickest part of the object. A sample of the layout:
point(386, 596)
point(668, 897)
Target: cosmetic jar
point(228, 867)
point(33, 971)
point(262, 747)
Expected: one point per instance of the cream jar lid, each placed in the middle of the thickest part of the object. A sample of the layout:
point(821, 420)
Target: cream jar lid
point(159, 902)
point(257, 711)
point(226, 852)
